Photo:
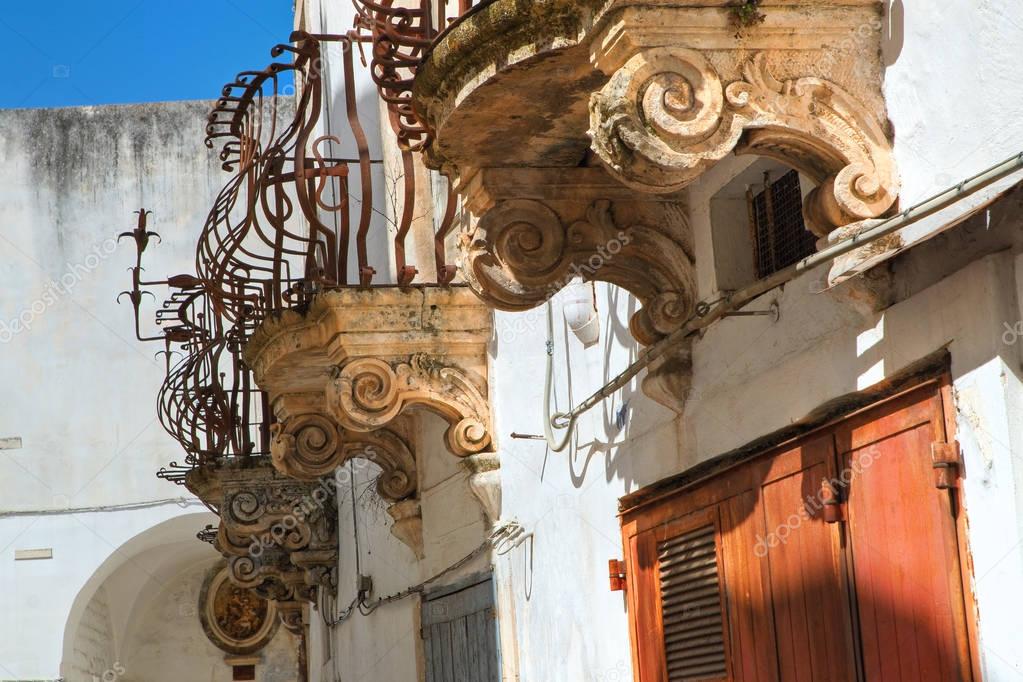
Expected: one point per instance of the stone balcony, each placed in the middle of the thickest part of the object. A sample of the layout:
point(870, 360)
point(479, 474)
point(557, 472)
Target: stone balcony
point(573, 126)
point(347, 376)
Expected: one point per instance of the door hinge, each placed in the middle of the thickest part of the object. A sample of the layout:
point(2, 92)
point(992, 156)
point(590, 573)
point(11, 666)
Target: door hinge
point(616, 570)
point(945, 458)
point(831, 501)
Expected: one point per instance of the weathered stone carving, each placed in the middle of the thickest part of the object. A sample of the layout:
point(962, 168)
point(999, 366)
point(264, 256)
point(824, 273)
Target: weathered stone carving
point(309, 446)
point(235, 619)
point(485, 484)
point(665, 116)
point(279, 535)
point(522, 253)
point(346, 376)
point(359, 359)
point(368, 393)
point(408, 524)
point(614, 96)
point(292, 615)
point(669, 377)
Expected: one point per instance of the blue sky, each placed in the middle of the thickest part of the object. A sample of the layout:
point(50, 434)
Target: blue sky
point(71, 52)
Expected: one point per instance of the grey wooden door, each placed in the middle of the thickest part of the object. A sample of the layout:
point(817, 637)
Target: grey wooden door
point(460, 633)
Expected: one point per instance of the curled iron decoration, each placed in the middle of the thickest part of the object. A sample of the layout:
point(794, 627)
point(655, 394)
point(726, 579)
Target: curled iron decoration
point(207, 401)
point(296, 216)
point(294, 219)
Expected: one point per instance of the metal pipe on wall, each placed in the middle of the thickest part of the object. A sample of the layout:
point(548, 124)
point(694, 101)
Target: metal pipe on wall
point(743, 296)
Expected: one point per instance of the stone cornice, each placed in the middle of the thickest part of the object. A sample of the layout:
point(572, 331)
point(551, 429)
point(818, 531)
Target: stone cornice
point(358, 359)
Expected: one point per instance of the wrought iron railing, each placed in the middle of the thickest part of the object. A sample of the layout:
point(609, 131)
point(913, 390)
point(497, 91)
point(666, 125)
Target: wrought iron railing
point(294, 219)
point(207, 401)
point(401, 37)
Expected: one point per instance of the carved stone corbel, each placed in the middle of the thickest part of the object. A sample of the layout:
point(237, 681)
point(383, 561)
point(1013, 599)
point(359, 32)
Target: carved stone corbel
point(668, 378)
point(309, 446)
point(538, 229)
point(279, 535)
point(292, 615)
point(272, 576)
point(408, 524)
point(666, 115)
point(356, 361)
point(368, 393)
point(485, 484)
point(523, 252)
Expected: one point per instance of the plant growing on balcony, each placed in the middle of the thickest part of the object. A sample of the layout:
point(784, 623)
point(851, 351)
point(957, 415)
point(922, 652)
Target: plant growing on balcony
point(747, 13)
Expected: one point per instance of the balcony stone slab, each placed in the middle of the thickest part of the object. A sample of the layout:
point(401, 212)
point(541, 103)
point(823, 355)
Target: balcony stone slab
point(362, 357)
point(569, 124)
point(658, 91)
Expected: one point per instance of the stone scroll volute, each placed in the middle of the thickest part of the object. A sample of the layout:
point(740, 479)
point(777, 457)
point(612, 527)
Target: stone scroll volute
point(666, 115)
point(367, 393)
point(310, 446)
point(523, 252)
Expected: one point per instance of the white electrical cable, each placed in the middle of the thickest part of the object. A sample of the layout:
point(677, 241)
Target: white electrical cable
point(548, 390)
point(127, 506)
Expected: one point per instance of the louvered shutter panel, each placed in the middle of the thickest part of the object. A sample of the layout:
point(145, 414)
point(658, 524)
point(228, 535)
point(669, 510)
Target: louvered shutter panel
point(694, 642)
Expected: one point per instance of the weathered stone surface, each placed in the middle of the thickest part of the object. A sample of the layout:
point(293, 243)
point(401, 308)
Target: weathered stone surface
point(669, 89)
point(666, 116)
point(345, 377)
point(511, 85)
point(279, 535)
point(361, 358)
point(541, 228)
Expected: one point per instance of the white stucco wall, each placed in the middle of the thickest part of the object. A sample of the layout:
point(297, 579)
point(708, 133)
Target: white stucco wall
point(947, 89)
point(77, 388)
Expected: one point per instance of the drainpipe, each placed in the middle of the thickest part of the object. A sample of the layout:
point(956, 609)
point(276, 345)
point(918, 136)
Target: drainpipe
point(707, 315)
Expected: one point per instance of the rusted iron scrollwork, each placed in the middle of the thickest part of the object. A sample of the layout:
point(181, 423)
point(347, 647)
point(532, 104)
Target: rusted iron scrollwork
point(295, 219)
point(208, 401)
point(401, 38)
point(299, 210)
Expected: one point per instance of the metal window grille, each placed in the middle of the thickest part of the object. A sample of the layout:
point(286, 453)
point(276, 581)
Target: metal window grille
point(780, 237)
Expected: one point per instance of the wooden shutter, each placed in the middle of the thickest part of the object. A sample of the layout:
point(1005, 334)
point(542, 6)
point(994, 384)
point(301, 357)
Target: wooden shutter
point(863, 581)
point(460, 633)
point(690, 581)
point(802, 563)
point(680, 630)
point(903, 548)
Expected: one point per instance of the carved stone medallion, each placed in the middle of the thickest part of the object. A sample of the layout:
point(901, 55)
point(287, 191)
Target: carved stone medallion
point(236, 619)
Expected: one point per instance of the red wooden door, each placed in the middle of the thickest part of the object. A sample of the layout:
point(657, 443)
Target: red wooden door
point(803, 558)
point(903, 552)
point(872, 592)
